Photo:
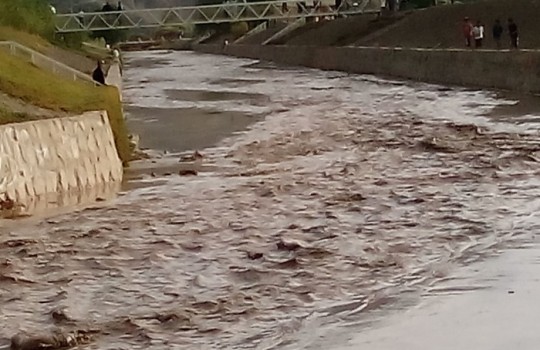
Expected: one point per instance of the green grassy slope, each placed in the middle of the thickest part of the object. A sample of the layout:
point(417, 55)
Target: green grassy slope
point(43, 89)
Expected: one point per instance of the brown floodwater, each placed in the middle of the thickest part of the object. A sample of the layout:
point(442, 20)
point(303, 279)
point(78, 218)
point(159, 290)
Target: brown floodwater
point(334, 203)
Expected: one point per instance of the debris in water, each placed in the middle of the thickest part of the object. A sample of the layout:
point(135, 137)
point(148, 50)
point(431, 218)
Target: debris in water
point(254, 255)
point(434, 145)
point(7, 204)
point(54, 340)
point(187, 172)
point(290, 245)
point(192, 157)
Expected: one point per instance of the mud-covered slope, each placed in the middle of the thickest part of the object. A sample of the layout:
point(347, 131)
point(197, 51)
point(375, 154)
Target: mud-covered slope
point(441, 26)
point(339, 32)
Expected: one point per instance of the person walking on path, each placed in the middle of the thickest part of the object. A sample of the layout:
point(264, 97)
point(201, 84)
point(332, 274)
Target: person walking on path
point(98, 75)
point(497, 33)
point(514, 34)
point(478, 34)
point(467, 31)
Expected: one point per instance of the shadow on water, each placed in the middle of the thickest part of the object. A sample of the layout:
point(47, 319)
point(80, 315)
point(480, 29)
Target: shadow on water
point(206, 95)
point(525, 109)
point(181, 129)
point(145, 63)
point(236, 82)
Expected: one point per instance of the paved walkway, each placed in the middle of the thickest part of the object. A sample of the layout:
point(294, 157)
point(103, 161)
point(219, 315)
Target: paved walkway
point(114, 77)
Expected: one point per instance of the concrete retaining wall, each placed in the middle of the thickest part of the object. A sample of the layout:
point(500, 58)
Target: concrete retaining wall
point(509, 70)
point(56, 156)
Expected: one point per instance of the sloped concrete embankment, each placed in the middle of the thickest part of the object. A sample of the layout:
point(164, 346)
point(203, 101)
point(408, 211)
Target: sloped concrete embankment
point(508, 70)
point(57, 156)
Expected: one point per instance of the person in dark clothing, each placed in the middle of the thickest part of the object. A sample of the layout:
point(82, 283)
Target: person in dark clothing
point(107, 7)
point(120, 7)
point(301, 6)
point(497, 33)
point(98, 75)
point(514, 34)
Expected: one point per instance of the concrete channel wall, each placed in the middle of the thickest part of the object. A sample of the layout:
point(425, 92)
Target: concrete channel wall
point(56, 156)
point(508, 70)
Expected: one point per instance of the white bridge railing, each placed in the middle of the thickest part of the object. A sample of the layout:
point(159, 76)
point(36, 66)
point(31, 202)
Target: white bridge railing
point(43, 62)
point(206, 14)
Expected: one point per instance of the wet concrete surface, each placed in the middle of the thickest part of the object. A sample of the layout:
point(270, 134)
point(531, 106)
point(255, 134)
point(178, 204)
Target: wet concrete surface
point(492, 305)
point(352, 200)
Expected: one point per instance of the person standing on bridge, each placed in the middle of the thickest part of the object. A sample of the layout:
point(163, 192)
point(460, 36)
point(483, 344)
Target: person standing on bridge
point(119, 7)
point(107, 7)
point(80, 18)
point(301, 7)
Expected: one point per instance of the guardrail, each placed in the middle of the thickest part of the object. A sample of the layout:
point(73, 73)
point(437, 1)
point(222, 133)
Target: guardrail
point(44, 62)
point(228, 12)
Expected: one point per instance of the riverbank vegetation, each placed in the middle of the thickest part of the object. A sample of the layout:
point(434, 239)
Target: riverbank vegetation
point(31, 16)
point(43, 89)
point(7, 116)
point(32, 41)
point(31, 23)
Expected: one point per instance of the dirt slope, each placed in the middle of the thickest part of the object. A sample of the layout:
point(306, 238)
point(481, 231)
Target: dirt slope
point(264, 35)
point(441, 26)
point(339, 32)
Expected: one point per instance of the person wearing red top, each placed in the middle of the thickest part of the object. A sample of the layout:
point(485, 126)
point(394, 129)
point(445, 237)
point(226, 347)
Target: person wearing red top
point(467, 31)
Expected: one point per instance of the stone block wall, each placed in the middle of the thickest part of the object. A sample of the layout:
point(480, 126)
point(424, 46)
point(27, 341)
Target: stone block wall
point(60, 155)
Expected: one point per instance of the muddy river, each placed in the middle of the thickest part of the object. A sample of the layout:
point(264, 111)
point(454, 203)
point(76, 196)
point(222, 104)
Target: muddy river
point(325, 201)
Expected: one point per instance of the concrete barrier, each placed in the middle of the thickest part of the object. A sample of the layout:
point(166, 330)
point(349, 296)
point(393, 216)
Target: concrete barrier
point(57, 156)
point(508, 70)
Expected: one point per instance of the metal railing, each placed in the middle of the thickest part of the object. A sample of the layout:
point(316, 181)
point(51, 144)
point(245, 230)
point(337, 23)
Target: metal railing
point(44, 62)
point(206, 14)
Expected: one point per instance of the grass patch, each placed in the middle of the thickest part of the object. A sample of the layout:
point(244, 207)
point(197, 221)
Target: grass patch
point(29, 40)
point(32, 16)
point(33, 85)
point(7, 117)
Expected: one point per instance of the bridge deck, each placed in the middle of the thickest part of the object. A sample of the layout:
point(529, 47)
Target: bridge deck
point(207, 14)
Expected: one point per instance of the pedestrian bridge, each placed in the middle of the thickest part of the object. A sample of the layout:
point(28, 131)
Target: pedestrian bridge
point(207, 14)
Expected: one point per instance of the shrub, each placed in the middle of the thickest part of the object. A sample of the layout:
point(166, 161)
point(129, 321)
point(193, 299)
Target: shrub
point(239, 29)
point(33, 16)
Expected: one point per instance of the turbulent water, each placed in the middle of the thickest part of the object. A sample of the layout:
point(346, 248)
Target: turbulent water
point(345, 197)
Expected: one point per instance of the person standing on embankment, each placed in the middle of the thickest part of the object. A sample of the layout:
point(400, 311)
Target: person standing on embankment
point(98, 75)
point(514, 34)
point(467, 31)
point(497, 33)
point(478, 34)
